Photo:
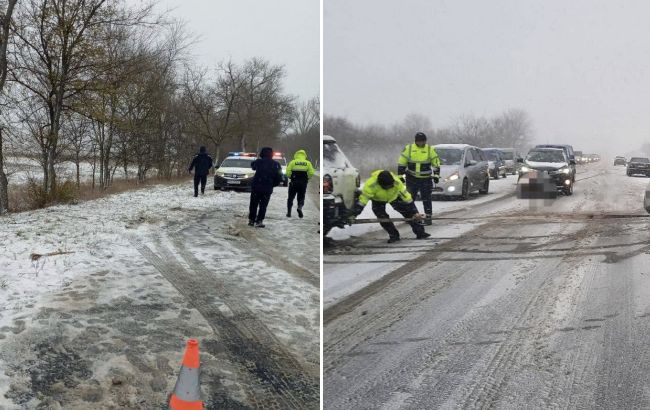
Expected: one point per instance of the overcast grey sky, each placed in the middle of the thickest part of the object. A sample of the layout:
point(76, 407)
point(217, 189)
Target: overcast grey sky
point(580, 68)
point(284, 32)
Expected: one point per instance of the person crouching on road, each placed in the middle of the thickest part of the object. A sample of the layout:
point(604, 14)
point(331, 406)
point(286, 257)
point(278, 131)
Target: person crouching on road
point(384, 187)
point(420, 162)
point(299, 171)
point(268, 174)
point(202, 163)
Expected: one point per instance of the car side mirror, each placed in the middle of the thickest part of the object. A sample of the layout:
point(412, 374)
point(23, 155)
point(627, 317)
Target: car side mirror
point(520, 160)
point(216, 167)
point(572, 161)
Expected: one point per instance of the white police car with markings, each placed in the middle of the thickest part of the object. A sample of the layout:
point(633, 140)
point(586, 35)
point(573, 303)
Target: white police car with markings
point(235, 172)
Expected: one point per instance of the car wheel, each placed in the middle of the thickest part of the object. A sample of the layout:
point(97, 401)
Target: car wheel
point(628, 174)
point(486, 187)
point(465, 191)
point(568, 191)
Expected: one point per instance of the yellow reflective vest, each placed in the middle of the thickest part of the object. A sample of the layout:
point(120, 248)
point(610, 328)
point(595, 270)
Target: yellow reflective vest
point(373, 192)
point(419, 162)
point(300, 163)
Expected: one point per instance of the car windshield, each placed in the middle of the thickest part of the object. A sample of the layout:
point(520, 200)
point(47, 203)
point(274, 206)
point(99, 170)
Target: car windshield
point(236, 163)
point(508, 155)
point(545, 156)
point(449, 156)
point(333, 156)
point(491, 155)
point(642, 160)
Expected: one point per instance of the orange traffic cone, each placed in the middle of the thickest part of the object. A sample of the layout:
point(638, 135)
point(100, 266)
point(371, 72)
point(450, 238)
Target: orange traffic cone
point(187, 392)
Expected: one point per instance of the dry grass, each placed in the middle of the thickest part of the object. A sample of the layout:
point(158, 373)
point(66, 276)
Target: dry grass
point(31, 196)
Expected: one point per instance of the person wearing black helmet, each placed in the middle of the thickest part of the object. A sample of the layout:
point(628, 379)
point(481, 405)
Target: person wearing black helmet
point(201, 164)
point(420, 162)
point(268, 174)
point(383, 187)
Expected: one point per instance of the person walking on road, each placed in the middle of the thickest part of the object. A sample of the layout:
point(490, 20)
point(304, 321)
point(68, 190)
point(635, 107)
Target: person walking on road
point(268, 174)
point(383, 187)
point(201, 164)
point(299, 171)
point(420, 162)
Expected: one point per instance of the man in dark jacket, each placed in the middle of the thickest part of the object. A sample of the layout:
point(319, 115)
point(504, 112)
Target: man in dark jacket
point(201, 163)
point(268, 174)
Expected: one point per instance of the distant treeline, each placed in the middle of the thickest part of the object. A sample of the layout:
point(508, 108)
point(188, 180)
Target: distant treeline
point(376, 146)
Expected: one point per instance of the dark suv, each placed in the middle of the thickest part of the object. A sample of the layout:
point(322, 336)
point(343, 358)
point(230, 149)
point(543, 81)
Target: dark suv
point(568, 150)
point(638, 165)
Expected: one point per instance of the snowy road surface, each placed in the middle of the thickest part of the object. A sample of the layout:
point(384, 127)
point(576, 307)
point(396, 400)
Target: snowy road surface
point(515, 304)
point(102, 321)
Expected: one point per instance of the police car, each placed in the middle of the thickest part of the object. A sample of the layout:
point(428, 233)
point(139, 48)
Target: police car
point(279, 157)
point(235, 171)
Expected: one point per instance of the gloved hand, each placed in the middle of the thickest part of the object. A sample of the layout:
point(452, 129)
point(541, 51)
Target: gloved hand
point(402, 178)
point(436, 179)
point(358, 208)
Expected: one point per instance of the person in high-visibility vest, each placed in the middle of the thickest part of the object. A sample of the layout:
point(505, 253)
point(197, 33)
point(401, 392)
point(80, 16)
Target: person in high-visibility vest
point(420, 162)
point(383, 187)
point(299, 172)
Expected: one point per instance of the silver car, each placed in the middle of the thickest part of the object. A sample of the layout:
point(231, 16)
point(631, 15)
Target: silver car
point(463, 170)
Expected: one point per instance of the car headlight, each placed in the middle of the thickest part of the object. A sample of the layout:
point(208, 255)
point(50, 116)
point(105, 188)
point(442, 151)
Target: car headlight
point(525, 169)
point(453, 177)
point(565, 170)
point(250, 175)
point(220, 173)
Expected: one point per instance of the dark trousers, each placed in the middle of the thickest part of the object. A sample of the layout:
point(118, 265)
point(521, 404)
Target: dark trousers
point(297, 188)
point(424, 186)
point(258, 204)
point(202, 179)
point(407, 209)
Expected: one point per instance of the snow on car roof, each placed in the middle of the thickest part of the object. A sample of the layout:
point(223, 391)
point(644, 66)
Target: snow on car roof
point(454, 146)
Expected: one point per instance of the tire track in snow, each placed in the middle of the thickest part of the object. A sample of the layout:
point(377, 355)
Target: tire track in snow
point(275, 378)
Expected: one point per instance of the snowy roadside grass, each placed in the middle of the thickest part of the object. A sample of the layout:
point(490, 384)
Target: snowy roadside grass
point(75, 277)
point(88, 237)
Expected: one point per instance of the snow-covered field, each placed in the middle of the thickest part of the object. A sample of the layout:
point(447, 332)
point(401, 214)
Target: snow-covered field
point(20, 170)
point(98, 299)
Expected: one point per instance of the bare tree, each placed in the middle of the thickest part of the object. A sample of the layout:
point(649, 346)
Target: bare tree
point(59, 56)
point(263, 110)
point(5, 23)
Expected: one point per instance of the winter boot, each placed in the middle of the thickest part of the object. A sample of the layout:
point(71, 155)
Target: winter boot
point(288, 212)
point(428, 221)
point(393, 239)
point(423, 235)
point(251, 223)
point(259, 224)
point(299, 212)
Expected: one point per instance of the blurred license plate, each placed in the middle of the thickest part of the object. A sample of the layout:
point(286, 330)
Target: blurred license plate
point(234, 182)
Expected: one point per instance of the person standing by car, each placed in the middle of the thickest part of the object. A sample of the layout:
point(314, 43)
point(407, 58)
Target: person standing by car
point(383, 187)
point(420, 162)
point(268, 174)
point(299, 171)
point(201, 164)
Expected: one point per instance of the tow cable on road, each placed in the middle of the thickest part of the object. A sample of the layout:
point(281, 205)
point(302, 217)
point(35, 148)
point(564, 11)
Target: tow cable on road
point(579, 217)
